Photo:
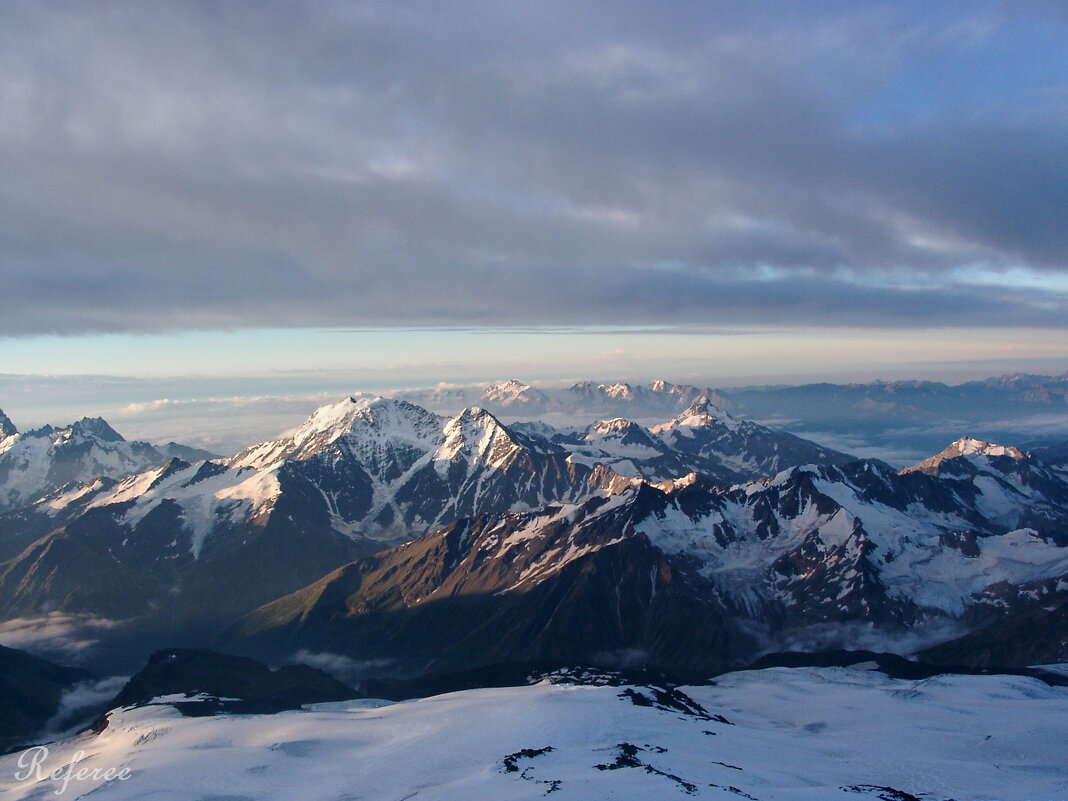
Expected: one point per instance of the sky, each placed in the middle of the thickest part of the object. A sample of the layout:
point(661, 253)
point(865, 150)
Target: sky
point(290, 198)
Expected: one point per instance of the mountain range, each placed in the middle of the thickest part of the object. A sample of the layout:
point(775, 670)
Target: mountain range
point(693, 575)
point(514, 400)
point(223, 535)
point(898, 420)
point(37, 462)
point(420, 543)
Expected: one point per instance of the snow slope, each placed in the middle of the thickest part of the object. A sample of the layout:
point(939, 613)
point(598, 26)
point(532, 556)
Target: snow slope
point(37, 462)
point(801, 734)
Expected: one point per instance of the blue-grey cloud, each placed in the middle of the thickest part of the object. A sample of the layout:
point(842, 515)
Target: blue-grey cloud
point(178, 165)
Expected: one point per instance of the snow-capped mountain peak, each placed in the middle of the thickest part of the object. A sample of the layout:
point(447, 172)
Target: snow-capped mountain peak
point(475, 436)
point(37, 462)
point(620, 390)
point(702, 413)
point(968, 446)
point(617, 425)
point(512, 391)
point(330, 421)
point(963, 447)
point(92, 428)
point(362, 421)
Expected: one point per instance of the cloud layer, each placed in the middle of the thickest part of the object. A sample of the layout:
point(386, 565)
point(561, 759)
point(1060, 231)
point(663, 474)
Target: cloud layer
point(178, 165)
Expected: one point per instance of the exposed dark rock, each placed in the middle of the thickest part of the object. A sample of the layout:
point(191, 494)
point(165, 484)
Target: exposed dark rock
point(30, 692)
point(233, 683)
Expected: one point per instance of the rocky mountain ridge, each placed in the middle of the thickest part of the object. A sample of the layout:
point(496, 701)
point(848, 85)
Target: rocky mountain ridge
point(691, 574)
point(692, 543)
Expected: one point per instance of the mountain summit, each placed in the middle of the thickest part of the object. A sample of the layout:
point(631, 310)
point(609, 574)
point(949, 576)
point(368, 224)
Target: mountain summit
point(966, 446)
point(513, 393)
point(35, 463)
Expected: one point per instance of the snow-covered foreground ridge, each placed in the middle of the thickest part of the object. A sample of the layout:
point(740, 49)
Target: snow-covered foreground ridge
point(813, 734)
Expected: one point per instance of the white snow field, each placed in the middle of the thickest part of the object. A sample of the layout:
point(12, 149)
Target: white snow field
point(813, 734)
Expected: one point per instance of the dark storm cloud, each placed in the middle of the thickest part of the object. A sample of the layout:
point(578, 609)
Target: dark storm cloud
point(203, 165)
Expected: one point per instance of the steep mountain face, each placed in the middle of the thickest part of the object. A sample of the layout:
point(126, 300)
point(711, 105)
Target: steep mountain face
point(388, 469)
point(30, 693)
point(1016, 625)
point(860, 542)
point(7, 428)
point(618, 541)
point(625, 447)
point(1007, 487)
point(37, 463)
point(791, 559)
point(130, 549)
point(570, 585)
point(221, 537)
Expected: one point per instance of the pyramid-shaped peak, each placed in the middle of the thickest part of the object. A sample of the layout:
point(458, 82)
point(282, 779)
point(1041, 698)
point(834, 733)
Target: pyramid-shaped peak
point(612, 426)
point(701, 414)
point(95, 428)
point(704, 407)
point(475, 435)
point(474, 416)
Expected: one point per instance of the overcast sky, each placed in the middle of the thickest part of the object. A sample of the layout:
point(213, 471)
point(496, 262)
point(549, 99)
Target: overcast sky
point(202, 165)
point(220, 166)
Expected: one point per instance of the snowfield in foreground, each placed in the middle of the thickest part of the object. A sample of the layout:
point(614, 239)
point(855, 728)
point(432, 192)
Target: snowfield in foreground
point(774, 734)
